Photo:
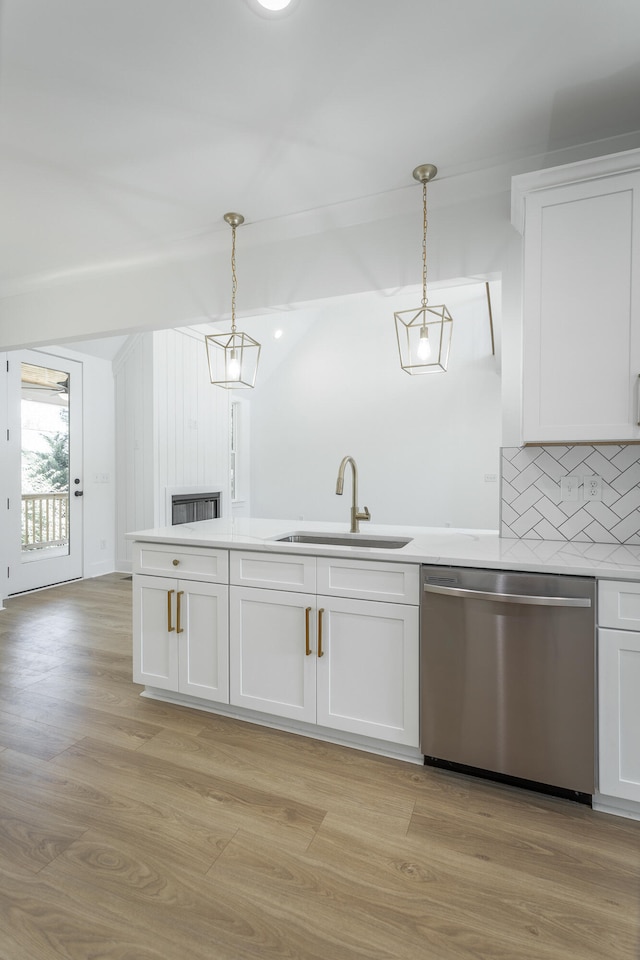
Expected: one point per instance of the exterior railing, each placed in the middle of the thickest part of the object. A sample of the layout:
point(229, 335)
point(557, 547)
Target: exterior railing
point(45, 520)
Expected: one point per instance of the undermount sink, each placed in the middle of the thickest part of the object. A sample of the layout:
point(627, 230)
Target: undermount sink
point(345, 540)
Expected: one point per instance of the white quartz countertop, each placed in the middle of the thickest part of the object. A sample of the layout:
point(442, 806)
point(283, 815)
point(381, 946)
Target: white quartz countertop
point(446, 546)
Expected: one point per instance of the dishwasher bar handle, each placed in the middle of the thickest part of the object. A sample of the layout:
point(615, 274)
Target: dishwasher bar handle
point(509, 597)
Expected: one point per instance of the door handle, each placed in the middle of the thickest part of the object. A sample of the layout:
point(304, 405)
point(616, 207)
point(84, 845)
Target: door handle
point(320, 650)
point(508, 597)
point(179, 629)
point(307, 649)
point(78, 493)
point(170, 629)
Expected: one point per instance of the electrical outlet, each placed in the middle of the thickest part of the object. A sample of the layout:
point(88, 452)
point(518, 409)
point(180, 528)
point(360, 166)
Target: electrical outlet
point(569, 488)
point(491, 478)
point(592, 488)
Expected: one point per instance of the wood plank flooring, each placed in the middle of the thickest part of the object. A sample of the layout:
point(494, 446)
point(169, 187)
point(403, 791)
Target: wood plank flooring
point(136, 830)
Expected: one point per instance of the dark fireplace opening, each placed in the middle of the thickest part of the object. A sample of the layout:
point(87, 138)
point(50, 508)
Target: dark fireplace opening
point(189, 507)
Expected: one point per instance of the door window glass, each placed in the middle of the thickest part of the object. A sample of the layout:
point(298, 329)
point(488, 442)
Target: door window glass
point(44, 419)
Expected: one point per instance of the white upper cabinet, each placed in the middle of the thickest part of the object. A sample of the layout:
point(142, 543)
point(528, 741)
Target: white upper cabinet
point(581, 300)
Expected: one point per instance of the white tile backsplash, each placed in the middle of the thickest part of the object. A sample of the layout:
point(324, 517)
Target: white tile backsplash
point(530, 503)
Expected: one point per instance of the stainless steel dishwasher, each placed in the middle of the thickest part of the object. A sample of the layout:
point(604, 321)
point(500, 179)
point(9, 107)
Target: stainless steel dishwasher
point(507, 673)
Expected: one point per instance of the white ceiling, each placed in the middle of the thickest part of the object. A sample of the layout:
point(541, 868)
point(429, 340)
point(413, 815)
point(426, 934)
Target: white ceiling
point(126, 125)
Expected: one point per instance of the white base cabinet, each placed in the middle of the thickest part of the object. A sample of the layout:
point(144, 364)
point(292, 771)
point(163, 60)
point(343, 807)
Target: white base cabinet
point(366, 678)
point(270, 668)
point(181, 636)
point(181, 623)
point(619, 690)
point(341, 662)
point(345, 664)
point(323, 641)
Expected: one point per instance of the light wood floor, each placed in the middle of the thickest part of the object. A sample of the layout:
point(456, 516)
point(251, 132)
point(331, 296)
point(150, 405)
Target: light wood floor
point(135, 830)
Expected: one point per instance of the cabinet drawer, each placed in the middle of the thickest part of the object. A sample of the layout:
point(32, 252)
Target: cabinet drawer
point(281, 571)
point(369, 580)
point(190, 563)
point(619, 604)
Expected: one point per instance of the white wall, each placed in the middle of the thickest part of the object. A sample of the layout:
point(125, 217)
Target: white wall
point(135, 458)
point(422, 444)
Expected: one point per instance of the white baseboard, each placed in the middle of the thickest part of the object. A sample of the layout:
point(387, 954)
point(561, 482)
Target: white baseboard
point(99, 569)
point(616, 806)
point(395, 751)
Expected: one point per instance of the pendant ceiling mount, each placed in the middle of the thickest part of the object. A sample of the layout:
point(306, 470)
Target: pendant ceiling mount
point(425, 172)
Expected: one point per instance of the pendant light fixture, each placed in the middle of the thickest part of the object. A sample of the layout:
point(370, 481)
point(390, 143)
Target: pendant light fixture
point(424, 335)
point(233, 357)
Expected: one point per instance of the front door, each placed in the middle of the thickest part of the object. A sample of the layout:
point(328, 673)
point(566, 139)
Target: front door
point(45, 470)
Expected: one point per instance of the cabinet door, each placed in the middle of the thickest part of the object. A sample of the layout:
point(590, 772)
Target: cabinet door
point(272, 666)
point(581, 351)
point(203, 640)
point(155, 652)
point(368, 675)
point(619, 713)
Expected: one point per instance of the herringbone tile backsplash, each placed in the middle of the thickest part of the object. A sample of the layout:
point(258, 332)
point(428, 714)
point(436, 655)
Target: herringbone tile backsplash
point(530, 502)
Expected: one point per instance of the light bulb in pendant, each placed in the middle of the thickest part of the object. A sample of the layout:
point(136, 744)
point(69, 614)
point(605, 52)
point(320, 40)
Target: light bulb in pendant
point(424, 347)
point(233, 368)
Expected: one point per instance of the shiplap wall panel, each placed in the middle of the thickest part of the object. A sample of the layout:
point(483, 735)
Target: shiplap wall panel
point(192, 431)
point(172, 429)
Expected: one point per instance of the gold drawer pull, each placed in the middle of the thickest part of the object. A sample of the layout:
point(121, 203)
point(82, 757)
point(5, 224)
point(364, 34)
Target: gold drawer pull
point(169, 627)
point(320, 650)
point(306, 631)
point(176, 563)
point(179, 628)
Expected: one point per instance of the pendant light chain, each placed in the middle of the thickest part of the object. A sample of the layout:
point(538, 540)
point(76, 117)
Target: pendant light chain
point(424, 243)
point(234, 278)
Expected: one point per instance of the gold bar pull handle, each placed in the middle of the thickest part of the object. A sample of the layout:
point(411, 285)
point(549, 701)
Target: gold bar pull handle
point(320, 650)
point(638, 408)
point(179, 629)
point(169, 627)
point(307, 649)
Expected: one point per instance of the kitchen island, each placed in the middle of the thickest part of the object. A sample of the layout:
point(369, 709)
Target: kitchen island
point(323, 638)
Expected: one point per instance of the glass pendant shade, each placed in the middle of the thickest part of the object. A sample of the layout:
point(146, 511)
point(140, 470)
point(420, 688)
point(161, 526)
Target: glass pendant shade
point(424, 339)
point(233, 359)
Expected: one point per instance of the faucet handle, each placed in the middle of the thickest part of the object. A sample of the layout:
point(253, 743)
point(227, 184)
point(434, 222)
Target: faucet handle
point(365, 515)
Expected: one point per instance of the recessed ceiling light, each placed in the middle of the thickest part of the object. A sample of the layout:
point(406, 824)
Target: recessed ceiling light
point(274, 4)
point(277, 334)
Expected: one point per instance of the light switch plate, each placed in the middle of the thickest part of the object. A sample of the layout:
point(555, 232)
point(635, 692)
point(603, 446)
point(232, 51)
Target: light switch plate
point(570, 488)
